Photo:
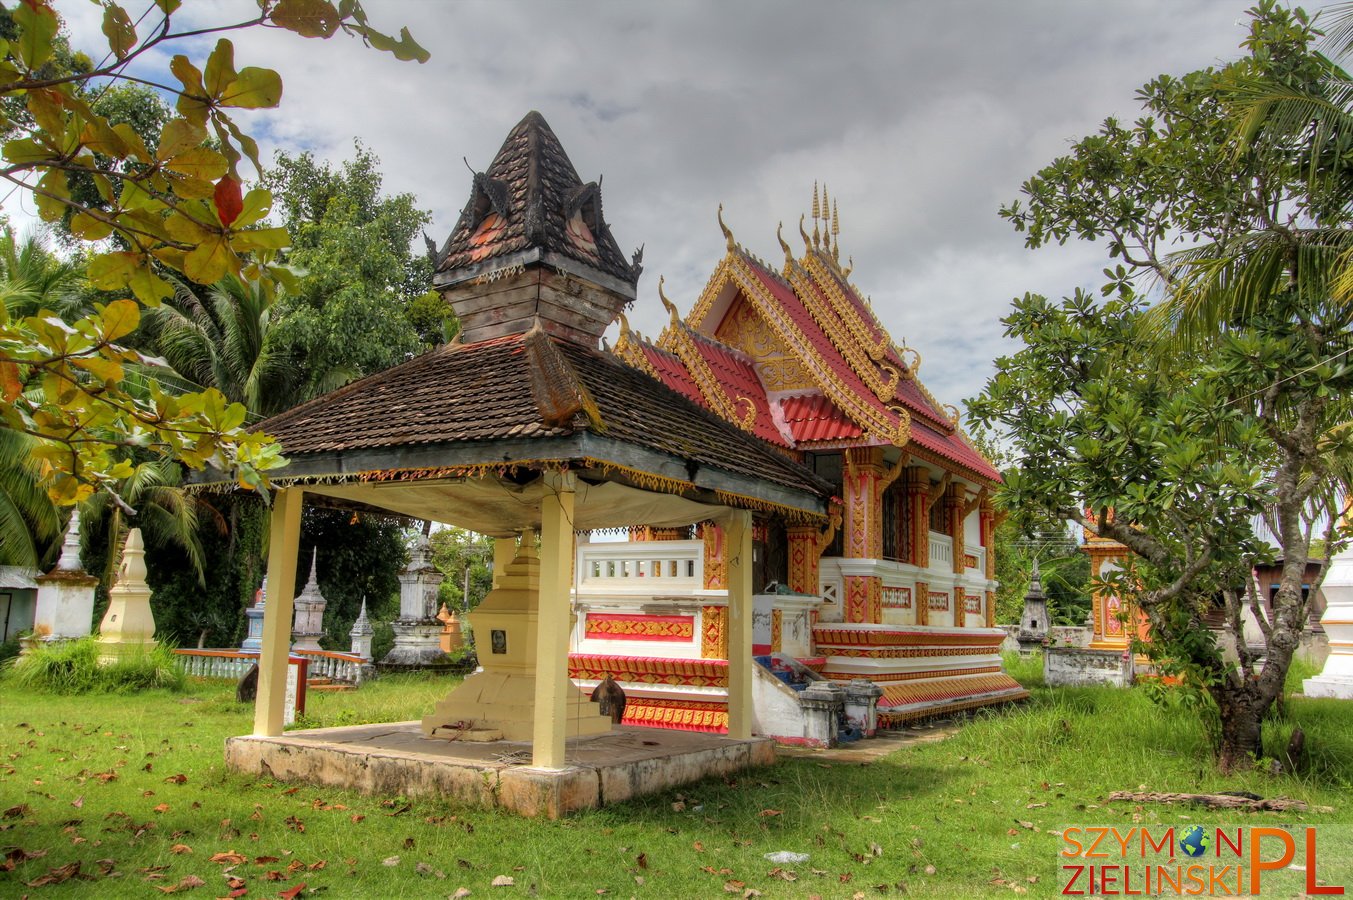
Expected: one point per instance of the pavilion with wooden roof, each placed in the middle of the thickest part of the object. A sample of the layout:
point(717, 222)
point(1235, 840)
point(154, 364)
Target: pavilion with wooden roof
point(523, 426)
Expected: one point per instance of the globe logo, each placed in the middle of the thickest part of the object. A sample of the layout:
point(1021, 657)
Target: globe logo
point(1195, 841)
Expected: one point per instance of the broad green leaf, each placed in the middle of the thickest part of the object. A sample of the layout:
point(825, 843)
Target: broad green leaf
point(148, 287)
point(406, 48)
point(110, 271)
point(27, 150)
point(254, 88)
point(179, 135)
point(45, 106)
point(135, 145)
point(103, 369)
point(38, 26)
point(220, 71)
point(257, 205)
point(193, 188)
point(193, 104)
point(262, 239)
point(135, 196)
point(119, 319)
point(208, 261)
point(198, 162)
point(168, 7)
point(118, 28)
point(89, 228)
point(52, 189)
point(308, 18)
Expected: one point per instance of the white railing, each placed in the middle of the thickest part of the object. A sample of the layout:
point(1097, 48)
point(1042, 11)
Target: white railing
point(232, 664)
point(941, 551)
point(344, 667)
point(648, 565)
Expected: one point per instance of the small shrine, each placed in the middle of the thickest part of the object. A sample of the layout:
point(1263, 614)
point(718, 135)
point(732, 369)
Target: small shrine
point(128, 627)
point(308, 626)
point(1113, 623)
point(1033, 621)
point(64, 606)
point(418, 631)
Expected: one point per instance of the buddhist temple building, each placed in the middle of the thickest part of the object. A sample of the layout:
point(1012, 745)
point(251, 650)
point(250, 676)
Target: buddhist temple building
point(905, 580)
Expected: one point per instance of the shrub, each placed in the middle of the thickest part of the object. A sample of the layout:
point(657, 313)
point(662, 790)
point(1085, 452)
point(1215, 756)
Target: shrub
point(72, 667)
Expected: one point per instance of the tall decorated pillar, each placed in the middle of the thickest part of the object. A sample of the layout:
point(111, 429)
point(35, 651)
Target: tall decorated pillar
point(803, 559)
point(1109, 614)
point(863, 479)
point(714, 619)
point(986, 517)
point(955, 505)
point(917, 487)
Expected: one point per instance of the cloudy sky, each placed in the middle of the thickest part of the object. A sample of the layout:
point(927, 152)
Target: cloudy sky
point(921, 117)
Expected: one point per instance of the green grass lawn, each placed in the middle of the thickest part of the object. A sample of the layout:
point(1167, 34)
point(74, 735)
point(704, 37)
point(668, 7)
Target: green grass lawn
point(133, 789)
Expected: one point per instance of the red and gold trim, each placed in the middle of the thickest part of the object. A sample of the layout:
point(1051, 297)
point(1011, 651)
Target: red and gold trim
point(650, 669)
point(686, 715)
point(913, 676)
point(947, 688)
point(897, 598)
point(714, 632)
point(776, 629)
point(937, 601)
point(901, 637)
point(636, 627)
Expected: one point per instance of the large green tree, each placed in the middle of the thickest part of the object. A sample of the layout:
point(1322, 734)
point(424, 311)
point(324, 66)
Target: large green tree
point(1177, 453)
point(349, 313)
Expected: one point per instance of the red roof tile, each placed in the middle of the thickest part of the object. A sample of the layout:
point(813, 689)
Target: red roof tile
point(813, 417)
point(953, 448)
point(738, 380)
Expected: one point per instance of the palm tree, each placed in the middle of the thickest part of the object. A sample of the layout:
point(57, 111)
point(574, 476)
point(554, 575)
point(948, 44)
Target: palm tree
point(221, 340)
point(31, 280)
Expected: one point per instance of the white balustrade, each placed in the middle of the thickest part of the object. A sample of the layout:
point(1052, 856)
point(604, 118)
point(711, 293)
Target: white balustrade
point(649, 566)
point(941, 551)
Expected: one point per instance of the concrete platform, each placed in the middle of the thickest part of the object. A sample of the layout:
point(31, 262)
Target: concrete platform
point(397, 760)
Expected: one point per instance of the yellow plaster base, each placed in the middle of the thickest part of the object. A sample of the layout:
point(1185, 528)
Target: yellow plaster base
point(505, 702)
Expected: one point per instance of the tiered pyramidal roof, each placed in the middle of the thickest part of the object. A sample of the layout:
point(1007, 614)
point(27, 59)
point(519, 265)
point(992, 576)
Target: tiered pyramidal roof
point(797, 357)
point(531, 203)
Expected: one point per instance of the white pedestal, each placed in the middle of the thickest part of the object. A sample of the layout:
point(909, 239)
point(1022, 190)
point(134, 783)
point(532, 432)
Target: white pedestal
point(1336, 680)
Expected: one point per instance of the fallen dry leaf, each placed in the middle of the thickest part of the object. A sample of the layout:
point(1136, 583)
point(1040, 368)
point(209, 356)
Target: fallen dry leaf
point(503, 881)
point(187, 883)
point(161, 808)
point(57, 875)
point(14, 812)
point(228, 858)
point(390, 861)
point(180, 849)
point(180, 778)
point(460, 894)
point(292, 892)
point(641, 860)
point(770, 812)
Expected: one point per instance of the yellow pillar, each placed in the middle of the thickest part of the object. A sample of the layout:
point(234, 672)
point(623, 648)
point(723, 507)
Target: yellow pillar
point(504, 549)
point(552, 629)
point(284, 538)
point(739, 545)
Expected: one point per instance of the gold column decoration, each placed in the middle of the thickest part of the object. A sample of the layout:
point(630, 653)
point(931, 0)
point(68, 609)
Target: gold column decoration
point(714, 632)
point(954, 506)
point(716, 562)
point(803, 558)
point(990, 609)
point(987, 518)
point(922, 601)
point(776, 629)
point(917, 487)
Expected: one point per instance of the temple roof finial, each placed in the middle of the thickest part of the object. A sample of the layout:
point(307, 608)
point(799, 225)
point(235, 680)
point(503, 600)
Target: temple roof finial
point(668, 304)
point(807, 242)
point(784, 245)
point(816, 208)
point(836, 230)
point(727, 233)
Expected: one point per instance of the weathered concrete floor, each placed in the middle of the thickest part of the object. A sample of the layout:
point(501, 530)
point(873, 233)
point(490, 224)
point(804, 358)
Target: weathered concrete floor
point(396, 759)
